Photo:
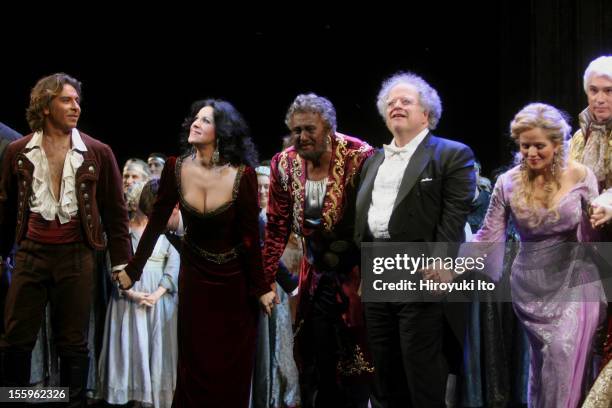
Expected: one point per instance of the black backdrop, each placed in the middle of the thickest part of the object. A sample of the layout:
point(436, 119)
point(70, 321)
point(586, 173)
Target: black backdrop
point(141, 74)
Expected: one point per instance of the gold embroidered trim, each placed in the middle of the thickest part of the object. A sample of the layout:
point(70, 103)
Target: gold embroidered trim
point(334, 191)
point(600, 395)
point(218, 258)
point(297, 189)
point(356, 157)
point(283, 169)
point(357, 365)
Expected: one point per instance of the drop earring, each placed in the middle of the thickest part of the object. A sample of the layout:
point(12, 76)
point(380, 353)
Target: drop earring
point(215, 156)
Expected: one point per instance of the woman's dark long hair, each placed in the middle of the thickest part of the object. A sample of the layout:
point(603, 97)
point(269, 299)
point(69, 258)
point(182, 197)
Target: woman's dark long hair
point(231, 130)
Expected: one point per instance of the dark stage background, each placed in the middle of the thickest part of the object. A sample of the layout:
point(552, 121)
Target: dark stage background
point(141, 74)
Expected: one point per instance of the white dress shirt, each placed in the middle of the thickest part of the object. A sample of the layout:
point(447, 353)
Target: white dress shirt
point(42, 200)
point(387, 184)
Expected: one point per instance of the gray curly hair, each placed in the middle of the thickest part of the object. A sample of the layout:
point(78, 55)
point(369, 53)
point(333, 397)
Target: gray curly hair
point(428, 96)
point(314, 104)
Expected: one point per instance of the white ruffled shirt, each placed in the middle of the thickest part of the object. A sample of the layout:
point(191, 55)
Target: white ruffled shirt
point(42, 200)
point(387, 184)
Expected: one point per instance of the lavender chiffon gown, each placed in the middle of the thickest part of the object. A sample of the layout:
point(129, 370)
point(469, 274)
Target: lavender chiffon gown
point(555, 292)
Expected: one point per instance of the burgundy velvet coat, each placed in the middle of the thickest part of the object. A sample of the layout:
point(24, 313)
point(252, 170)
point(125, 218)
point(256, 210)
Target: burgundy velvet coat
point(102, 208)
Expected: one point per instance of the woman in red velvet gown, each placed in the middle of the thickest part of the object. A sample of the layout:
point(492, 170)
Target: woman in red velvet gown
point(221, 276)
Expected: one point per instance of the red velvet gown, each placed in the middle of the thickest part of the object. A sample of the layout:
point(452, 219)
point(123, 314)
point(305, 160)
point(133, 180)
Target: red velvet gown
point(217, 310)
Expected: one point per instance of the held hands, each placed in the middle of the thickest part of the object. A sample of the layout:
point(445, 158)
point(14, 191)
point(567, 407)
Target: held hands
point(174, 220)
point(438, 275)
point(268, 300)
point(600, 214)
point(122, 278)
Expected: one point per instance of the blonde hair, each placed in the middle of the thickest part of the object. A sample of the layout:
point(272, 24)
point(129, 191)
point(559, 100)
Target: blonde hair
point(554, 124)
point(132, 195)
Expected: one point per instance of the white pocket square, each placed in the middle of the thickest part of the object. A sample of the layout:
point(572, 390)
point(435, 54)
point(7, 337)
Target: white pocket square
point(425, 180)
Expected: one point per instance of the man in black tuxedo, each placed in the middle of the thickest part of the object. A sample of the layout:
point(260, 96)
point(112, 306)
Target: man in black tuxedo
point(416, 189)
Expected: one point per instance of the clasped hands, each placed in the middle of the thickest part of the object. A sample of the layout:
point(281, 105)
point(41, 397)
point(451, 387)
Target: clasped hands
point(145, 299)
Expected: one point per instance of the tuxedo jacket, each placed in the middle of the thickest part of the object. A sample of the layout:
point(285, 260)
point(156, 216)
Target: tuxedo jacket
point(432, 203)
point(434, 198)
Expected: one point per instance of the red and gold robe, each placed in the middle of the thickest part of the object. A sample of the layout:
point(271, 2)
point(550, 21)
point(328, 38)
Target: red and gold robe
point(286, 215)
point(287, 194)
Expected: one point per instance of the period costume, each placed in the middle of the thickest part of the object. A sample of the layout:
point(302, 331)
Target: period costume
point(556, 292)
point(329, 311)
point(56, 237)
point(220, 280)
point(147, 373)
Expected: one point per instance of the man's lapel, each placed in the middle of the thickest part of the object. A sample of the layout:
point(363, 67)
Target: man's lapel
point(415, 167)
point(364, 195)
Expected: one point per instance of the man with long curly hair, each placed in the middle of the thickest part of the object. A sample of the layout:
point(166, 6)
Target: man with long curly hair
point(60, 190)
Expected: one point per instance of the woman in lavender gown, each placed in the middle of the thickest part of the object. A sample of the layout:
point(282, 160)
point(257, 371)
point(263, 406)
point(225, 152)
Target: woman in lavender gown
point(600, 395)
point(556, 293)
